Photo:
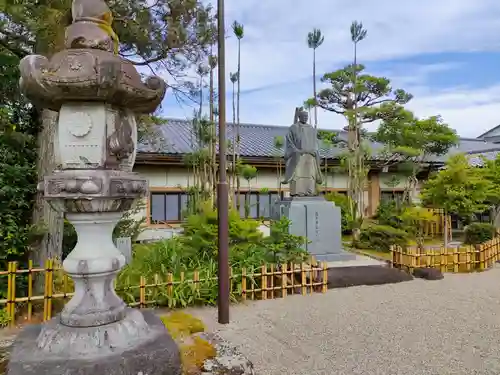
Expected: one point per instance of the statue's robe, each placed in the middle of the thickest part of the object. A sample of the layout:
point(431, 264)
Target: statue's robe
point(302, 162)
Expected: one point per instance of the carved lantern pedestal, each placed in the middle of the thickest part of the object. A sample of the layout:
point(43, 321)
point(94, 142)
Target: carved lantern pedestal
point(97, 95)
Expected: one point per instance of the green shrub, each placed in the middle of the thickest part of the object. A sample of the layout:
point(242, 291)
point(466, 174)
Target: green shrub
point(196, 250)
point(477, 233)
point(382, 237)
point(388, 213)
point(342, 201)
point(4, 318)
point(283, 247)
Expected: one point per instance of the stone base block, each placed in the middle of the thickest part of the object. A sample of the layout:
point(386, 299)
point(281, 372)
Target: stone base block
point(342, 256)
point(136, 345)
point(317, 220)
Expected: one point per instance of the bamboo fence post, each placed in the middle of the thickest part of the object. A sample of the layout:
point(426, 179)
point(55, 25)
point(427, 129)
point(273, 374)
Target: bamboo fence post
point(263, 282)
point(303, 279)
point(30, 289)
point(325, 277)
point(456, 258)
point(284, 279)
point(413, 259)
point(11, 293)
point(312, 277)
point(244, 284)
point(49, 273)
point(170, 284)
point(14, 292)
point(142, 292)
point(156, 287)
point(442, 260)
point(468, 258)
point(481, 257)
point(271, 281)
point(196, 280)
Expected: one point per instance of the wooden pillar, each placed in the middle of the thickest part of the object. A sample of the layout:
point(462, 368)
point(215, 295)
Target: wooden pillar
point(373, 192)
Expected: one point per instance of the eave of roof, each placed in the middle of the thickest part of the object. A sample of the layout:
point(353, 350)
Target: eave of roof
point(258, 144)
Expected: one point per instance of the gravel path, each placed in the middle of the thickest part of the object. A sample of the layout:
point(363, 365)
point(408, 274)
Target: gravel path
point(451, 326)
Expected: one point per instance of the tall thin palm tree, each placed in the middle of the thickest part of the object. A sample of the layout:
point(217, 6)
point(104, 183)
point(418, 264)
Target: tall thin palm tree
point(234, 78)
point(314, 40)
point(239, 32)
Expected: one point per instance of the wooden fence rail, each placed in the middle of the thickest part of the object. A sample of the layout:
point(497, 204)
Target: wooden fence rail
point(451, 259)
point(267, 282)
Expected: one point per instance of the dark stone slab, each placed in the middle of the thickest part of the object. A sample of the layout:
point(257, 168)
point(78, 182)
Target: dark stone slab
point(151, 351)
point(428, 273)
point(342, 277)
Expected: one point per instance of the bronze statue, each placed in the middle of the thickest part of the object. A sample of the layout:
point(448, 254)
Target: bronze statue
point(302, 157)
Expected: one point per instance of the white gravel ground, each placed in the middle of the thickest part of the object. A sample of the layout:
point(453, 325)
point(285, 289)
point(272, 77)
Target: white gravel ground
point(451, 326)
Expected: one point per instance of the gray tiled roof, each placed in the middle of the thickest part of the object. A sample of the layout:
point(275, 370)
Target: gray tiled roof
point(258, 140)
point(476, 158)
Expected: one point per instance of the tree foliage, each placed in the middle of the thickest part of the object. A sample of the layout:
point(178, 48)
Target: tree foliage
point(17, 164)
point(371, 93)
point(407, 137)
point(490, 171)
point(410, 141)
point(459, 188)
point(168, 34)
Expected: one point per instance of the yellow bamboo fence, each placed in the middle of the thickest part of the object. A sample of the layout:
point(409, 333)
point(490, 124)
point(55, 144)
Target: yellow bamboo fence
point(436, 228)
point(451, 259)
point(269, 282)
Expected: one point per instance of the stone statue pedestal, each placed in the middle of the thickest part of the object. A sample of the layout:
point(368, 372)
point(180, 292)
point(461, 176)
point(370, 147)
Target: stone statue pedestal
point(137, 344)
point(319, 221)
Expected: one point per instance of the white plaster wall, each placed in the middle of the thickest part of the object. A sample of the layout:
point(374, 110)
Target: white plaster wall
point(178, 177)
point(155, 234)
point(173, 177)
point(386, 181)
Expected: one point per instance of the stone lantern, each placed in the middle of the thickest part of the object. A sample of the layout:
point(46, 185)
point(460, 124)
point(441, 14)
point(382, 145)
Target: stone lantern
point(97, 94)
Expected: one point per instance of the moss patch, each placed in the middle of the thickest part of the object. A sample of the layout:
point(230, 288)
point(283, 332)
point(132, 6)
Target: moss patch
point(180, 324)
point(194, 350)
point(194, 355)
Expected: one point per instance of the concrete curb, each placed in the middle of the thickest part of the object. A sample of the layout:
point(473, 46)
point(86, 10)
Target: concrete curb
point(362, 253)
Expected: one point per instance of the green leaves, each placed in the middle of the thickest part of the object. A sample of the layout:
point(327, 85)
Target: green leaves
point(248, 172)
point(358, 33)
point(491, 172)
point(328, 138)
point(196, 250)
point(17, 182)
point(458, 188)
point(278, 141)
point(315, 38)
point(372, 96)
point(409, 136)
point(238, 30)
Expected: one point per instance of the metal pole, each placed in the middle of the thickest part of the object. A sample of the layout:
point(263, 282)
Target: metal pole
point(222, 187)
